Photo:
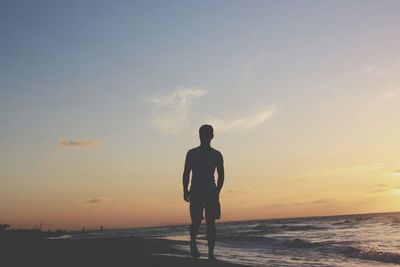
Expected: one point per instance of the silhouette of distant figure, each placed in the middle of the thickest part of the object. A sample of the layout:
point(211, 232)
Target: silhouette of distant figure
point(204, 193)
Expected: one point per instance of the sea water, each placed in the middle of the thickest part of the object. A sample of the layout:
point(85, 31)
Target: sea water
point(347, 240)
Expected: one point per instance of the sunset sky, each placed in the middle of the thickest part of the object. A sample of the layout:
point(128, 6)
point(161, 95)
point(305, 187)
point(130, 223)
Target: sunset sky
point(100, 100)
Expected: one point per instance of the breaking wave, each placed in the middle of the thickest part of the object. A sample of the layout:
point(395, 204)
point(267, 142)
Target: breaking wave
point(372, 254)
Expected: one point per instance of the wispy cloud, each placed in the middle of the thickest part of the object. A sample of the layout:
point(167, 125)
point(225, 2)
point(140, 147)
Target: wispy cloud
point(380, 188)
point(242, 192)
point(320, 201)
point(95, 200)
point(377, 168)
point(388, 69)
point(170, 112)
point(395, 173)
point(390, 94)
point(317, 201)
point(373, 71)
point(248, 67)
point(383, 188)
point(243, 123)
point(78, 143)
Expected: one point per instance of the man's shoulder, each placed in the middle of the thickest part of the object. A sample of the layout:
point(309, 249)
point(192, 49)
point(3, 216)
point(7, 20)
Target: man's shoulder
point(217, 156)
point(193, 151)
point(217, 152)
point(199, 150)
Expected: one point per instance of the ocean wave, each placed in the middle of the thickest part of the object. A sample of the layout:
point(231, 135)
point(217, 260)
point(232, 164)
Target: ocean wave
point(363, 218)
point(303, 243)
point(262, 241)
point(372, 254)
point(300, 227)
point(273, 229)
point(345, 222)
point(395, 220)
point(265, 228)
point(246, 238)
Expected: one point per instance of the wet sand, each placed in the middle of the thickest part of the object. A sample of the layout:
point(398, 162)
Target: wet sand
point(98, 252)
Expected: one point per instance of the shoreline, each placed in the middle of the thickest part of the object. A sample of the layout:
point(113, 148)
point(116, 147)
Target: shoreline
point(96, 229)
point(116, 251)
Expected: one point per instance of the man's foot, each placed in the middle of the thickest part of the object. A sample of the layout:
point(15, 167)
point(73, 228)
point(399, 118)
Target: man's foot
point(212, 257)
point(194, 250)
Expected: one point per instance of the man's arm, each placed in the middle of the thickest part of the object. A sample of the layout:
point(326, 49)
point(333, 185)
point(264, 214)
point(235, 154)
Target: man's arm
point(186, 177)
point(221, 173)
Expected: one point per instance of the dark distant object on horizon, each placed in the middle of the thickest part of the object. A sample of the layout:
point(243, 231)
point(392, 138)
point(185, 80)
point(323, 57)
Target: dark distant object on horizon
point(25, 234)
point(3, 227)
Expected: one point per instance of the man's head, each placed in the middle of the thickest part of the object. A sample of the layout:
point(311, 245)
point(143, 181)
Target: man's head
point(206, 133)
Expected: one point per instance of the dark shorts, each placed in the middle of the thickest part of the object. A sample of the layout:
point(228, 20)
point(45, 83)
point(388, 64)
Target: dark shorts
point(208, 204)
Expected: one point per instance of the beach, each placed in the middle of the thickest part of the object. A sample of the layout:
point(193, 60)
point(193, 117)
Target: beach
point(358, 240)
point(116, 251)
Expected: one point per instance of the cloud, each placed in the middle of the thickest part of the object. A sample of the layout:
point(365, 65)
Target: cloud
point(380, 188)
point(78, 143)
point(321, 201)
point(397, 187)
point(243, 123)
point(395, 173)
point(318, 201)
point(95, 200)
point(390, 94)
point(360, 169)
point(388, 69)
point(243, 192)
point(248, 67)
point(170, 112)
point(373, 71)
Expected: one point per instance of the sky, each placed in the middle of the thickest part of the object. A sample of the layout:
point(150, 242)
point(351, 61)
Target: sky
point(100, 101)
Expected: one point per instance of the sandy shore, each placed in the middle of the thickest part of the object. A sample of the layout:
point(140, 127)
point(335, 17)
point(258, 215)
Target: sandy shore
point(98, 252)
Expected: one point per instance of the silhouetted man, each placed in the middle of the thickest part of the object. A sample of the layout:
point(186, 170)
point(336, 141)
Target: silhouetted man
point(204, 193)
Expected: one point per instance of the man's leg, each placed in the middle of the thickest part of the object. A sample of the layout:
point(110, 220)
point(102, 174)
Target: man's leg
point(211, 236)
point(194, 229)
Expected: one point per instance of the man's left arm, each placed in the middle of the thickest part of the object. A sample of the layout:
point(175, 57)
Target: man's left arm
point(221, 173)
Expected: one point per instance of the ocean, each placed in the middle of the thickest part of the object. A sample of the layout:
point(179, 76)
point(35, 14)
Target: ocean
point(347, 240)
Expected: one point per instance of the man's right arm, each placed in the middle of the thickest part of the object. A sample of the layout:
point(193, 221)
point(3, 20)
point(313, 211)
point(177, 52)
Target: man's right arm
point(186, 178)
